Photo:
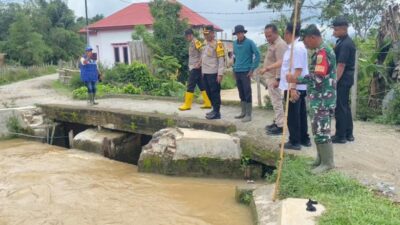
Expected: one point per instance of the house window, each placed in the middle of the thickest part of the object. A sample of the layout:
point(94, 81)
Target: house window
point(125, 53)
point(116, 55)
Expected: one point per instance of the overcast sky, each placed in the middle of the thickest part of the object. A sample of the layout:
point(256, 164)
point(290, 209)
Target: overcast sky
point(253, 22)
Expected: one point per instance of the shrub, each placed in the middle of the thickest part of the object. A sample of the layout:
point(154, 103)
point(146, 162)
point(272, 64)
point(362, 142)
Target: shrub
point(102, 89)
point(137, 73)
point(392, 113)
point(170, 88)
point(76, 81)
point(167, 67)
point(130, 89)
point(229, 81)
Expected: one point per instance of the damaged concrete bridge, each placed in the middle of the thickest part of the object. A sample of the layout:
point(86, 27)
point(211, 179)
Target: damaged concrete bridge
point(162, 139)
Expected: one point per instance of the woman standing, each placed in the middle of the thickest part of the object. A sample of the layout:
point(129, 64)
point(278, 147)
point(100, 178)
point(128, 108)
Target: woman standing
point(89, 74)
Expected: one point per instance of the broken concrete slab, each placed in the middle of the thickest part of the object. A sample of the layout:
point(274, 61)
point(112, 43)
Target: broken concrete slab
point(128, 120)
point(120, 146)
point(259, 197)
point(189, 152)
point(294, 212)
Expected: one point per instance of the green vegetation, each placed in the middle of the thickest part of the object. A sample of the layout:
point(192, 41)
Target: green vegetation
point(131, 79)
point(136, 74)
point(17, 73)
point(347, 201)
point(229, 81)
point(39, 31)
point(167, 40)
point(14, 126)
point(106, 89)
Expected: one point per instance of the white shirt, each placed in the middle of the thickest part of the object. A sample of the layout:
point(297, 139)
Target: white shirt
point(300, 61)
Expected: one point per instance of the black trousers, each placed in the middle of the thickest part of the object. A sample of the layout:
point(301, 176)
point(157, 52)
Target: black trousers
point(213, 89)
point(195, 78)
point(344, 120)
point(297, 120)
point(243, 84)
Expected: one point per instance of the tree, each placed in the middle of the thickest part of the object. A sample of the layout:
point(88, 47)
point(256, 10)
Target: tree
point(362, 14)
point(278, 5)
point(24, 45)
point(81, 21)
point(167, 38)
point(8, 14)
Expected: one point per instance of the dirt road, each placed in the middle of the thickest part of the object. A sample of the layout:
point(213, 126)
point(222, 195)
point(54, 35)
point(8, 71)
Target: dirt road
point(373, 158)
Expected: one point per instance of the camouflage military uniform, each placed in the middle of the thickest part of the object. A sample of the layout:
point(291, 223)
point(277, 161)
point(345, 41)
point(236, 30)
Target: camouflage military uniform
point(321, 88)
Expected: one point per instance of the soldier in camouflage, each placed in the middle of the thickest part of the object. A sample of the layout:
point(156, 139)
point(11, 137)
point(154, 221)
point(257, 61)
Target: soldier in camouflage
point(321, 87)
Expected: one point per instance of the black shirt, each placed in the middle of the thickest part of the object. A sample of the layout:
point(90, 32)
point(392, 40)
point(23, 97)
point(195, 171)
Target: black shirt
point(345, 51)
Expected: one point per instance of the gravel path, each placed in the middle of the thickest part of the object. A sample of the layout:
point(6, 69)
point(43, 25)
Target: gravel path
point(373, 158)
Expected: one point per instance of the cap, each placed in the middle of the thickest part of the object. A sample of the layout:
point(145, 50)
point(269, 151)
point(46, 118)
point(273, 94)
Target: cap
point(188, 31)
point(239, 29)
point(88, 48)
point(340, 21)
point(310, 30)
point(207, 29)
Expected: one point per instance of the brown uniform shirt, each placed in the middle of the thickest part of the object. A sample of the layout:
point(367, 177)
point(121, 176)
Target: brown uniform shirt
point(195, 54)
point(275, 52)
point(211, 62)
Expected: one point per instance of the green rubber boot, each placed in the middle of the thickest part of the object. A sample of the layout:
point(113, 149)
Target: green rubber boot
point(243, 113)
point(249, 109)
point(326, 155)
point(317, 160)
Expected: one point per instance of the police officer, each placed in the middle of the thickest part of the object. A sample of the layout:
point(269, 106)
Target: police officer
point(345, 51)
point(89, 74)
point(195, 77)
point(321, 88)
point(213, 65)
point(247, 58)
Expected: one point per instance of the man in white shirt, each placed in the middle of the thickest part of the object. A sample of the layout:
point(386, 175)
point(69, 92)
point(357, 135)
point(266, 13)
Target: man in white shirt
point(297, 112)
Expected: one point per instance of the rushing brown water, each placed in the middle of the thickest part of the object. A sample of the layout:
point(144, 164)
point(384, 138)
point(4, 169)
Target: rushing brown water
point(42, 184)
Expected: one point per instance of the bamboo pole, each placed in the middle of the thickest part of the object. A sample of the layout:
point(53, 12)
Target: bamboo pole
point(281, 156)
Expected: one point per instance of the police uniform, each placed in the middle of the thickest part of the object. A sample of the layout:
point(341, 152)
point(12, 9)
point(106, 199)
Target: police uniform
point(321, 88)
point(213, 65)
point(195, 77)
point(89, 75)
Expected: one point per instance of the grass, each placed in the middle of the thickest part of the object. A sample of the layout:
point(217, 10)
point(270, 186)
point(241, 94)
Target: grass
point(61, 88)
point(13, 74)
point(346, 200)
point(229, 81)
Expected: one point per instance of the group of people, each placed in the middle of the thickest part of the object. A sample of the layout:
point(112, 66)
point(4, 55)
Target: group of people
point(286, 72)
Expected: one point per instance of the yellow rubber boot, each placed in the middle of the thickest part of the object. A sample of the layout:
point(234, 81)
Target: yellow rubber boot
point(206, 101)
point(188, 102)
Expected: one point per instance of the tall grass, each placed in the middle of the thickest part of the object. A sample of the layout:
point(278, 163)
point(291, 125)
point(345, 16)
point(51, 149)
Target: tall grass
point(10, 74)
point(346, 200)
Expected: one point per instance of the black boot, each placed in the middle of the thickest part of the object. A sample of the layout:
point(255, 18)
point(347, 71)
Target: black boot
point(214, 115)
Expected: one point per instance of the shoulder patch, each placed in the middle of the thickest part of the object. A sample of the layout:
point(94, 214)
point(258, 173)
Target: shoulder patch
point(198, 45)
point(322, 63)
point(220, 49)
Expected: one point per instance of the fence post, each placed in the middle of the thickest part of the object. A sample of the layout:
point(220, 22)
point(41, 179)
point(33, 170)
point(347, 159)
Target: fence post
point(259, 91)
point(354, 89)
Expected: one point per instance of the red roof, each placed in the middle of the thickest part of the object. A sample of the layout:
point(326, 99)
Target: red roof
point(139, 14)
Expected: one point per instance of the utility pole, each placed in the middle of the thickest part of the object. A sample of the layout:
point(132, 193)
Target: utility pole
point(87, 24)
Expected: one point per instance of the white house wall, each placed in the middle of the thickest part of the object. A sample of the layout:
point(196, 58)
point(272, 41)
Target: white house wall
point(102, 43)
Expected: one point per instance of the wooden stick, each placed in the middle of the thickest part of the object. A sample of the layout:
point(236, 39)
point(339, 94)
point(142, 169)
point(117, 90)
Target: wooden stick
point(278, 178)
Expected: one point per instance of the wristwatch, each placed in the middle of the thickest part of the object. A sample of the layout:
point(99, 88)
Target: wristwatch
point(278, 79)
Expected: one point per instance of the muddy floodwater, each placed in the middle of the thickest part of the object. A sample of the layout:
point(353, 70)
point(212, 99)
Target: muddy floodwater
point(47, 185)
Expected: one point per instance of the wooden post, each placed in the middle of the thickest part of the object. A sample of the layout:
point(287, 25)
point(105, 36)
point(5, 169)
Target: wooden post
point(354, 89)
point(259, 91)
